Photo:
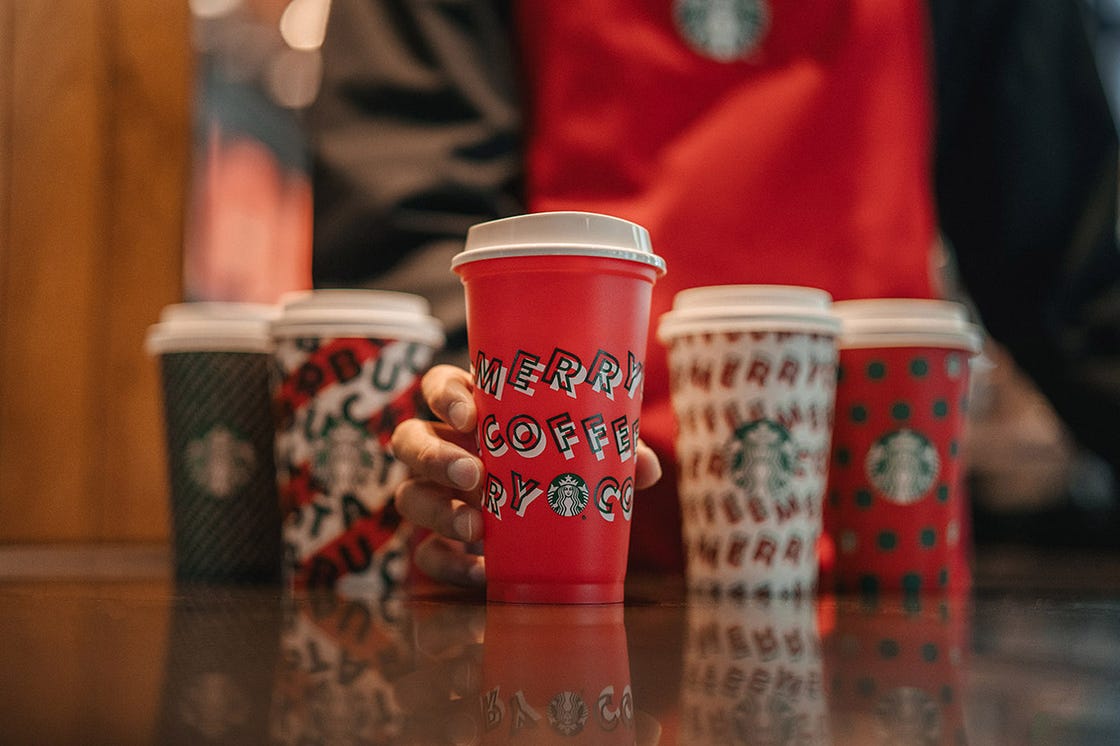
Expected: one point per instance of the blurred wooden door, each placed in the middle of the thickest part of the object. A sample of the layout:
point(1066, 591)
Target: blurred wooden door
point(94, 149)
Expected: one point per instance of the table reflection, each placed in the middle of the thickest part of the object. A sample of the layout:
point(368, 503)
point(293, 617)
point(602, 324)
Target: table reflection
point(753, 674)
point(896, 669)
point(554, 674)
point(116, 662)
point(219, 667)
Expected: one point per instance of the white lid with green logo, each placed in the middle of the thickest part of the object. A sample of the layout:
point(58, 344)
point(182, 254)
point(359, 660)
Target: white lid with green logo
point(747, 308)
point(906, 322)
point(212, 326)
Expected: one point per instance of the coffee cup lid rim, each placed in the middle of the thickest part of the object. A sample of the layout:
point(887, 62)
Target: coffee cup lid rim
point(730, 319)
point(357, 299)
point(202, 335)
point(358, 312)
point(407, 327)
point(221, 311)
point(559, 233)
point(906, 322)
point(719, 297)
point(900, 308)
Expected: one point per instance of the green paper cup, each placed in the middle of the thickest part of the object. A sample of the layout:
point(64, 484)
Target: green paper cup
point(214, 365)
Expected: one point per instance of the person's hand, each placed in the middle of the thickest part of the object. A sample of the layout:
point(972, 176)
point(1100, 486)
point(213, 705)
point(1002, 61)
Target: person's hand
point(443, 492)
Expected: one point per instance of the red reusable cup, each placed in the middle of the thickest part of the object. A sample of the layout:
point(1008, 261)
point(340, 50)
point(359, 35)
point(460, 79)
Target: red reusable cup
point(558, 310)
point(896, 509)
point(556, 675)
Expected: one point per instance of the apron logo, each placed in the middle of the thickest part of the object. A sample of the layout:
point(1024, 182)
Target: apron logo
point(763, 459)
point(903, 466)
point(722, 30)
point(568, 495)
point(220, 463)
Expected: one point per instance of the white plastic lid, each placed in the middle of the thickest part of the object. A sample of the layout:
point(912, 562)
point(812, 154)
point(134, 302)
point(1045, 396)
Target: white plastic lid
point(380, 314)
point(738, 308)
point(906, 322)
point(210, 326)
point(559, 234)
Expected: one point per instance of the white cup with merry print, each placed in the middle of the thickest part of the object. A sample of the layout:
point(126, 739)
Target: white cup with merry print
point(753, 386)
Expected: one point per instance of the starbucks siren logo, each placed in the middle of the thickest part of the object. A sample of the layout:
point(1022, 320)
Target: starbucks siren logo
point(909, 715)
point(759, 718)
point(342, 460)
point(214, 706)
point(762, 458)
point(220, 462)
point(567, 713)
point(567, 495)
point(903, 466)
point(722, 30)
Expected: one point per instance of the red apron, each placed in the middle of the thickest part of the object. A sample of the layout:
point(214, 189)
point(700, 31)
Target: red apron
point(788, 143)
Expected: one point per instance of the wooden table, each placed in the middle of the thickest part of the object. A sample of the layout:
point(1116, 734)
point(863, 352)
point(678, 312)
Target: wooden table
point(99, 645)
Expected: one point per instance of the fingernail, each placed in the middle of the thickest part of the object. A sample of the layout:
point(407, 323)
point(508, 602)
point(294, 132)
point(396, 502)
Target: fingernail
point(464, 679)
point(463, 523)
point(459, 415)
point(463, 473)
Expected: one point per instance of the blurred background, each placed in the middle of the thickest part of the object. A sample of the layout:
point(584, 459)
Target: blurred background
point(151, 152)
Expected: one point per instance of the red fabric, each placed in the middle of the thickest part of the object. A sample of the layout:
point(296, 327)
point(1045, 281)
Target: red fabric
point(807, 162)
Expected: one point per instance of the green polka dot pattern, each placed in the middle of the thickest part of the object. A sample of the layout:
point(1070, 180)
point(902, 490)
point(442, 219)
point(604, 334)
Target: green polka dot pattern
point(888, 648)
point(895, 463)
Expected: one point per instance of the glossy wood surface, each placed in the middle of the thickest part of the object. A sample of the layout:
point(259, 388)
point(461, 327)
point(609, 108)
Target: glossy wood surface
point(104, 648)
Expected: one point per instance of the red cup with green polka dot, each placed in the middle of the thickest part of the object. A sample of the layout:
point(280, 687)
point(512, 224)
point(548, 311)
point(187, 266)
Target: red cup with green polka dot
point(896, 670)
point(896, 510)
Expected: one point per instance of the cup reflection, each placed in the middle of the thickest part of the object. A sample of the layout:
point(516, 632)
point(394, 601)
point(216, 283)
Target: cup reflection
point(359, 671)
point(896, 671)
point(753, 673)
point(556, 674)
point(220, 662)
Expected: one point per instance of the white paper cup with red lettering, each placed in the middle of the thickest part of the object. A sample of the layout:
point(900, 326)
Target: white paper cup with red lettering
point(753, 383)
point(348, 368)
point(558, 311)
point(753, 674)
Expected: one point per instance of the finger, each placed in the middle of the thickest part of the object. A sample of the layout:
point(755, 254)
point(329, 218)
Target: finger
point(648, 468)
point(433, 506)
point(447, 561)
point(425, 449)
point(447, 389)
point(446, 631)
point(647, 729)
point(435, 688)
